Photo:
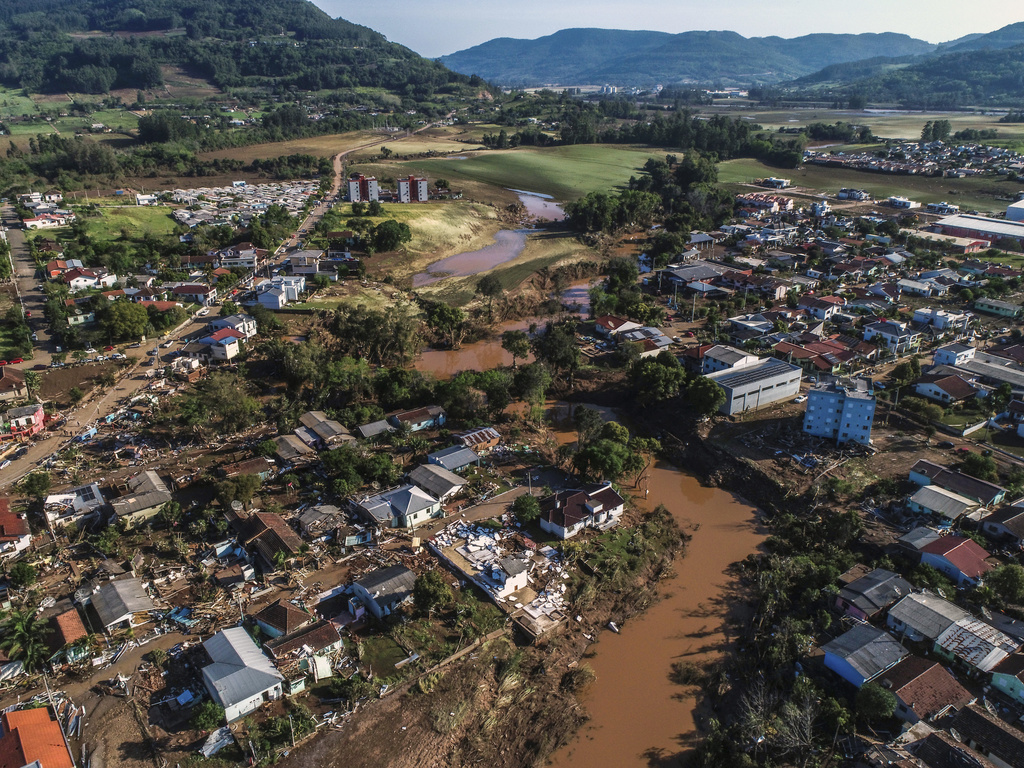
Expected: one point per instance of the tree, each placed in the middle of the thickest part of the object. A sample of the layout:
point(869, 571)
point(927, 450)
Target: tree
point(25, 637)
point(873, 703)
point(490, 287)
point(449, 321)
point(390, 234)
point(208, 716)
point(705, 396)
point(241, 488)
point(22, 575)
point(557, 347)
point(981, 467)
point(526, 508)
point(588, 423)
point(32, 382)
point(659, 379)
point(1007, 581)
point(517, 344)
point(123, 320)
point(170, 513)
point(75, 394)
point(36, 484)
point(431, 590)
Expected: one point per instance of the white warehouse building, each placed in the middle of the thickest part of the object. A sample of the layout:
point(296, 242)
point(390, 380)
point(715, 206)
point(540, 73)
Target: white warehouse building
point(758, 385)
point(840, 413)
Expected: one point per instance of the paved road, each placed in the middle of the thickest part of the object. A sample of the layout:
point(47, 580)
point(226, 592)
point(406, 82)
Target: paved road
point(32, 301)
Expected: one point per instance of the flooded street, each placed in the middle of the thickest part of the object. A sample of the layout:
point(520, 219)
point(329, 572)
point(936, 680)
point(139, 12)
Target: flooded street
point(508, 244)
point(637, 712)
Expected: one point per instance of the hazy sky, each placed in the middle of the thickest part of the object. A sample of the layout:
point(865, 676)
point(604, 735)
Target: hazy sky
point(436, 27)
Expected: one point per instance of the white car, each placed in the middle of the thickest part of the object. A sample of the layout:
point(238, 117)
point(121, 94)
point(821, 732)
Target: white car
point(203, 312)
point(800, 399)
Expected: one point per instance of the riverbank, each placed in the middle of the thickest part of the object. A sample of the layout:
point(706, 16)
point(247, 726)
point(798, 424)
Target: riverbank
point(506, 706)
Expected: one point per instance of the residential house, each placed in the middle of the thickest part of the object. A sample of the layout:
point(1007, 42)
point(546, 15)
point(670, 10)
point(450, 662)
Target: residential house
point(225, 345)
point(981, 731)
point(962, 560)
point(122, 602)
point(23, 422)
point(936, 750)
point(722, 357)
point(15, 535)
point(946, 389)
point(481, 441)
point(403, 507)
point(921, 617)
point(12, 384)
point(244, 324)
point(754, 386)
point(975, 644)
point(33, 738)
point(611, 326)
point(380, 592)
point(428, 417)
point(819, 307)
point(437, 481)
point(565, 513)
point(292, 451)
point(866, 597)
point(65, 630)
point(274, 298)
point(925, 472)
point(374, 429)
point(258, 466)
point(141, 499)
point(944, 320)
point(930, 499)
point(998, 308)
point(196, 293)
point(840, 413)
point(1008, 677)
point(454, 459)
point(651, 340)
point(897, 337)
point(319, 638)
point(72, 505)
point(954, 354)
point(81, 279)
point(243, 256)
point(329, 433)
point(862, 654)
point(270, 538)
point(912, 541)
point(240, 678)
point(1005, 526)
point(281, 618)
point(924, 690)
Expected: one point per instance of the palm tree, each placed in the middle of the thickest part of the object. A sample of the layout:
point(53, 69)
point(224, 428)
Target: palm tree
point(32, 382)
point(25, 637)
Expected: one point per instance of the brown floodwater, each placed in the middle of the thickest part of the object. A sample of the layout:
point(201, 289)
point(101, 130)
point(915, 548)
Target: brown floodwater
point(578, 295)
point(638, 716)
point(540, 207)
point(478, 356)
point(507, 245)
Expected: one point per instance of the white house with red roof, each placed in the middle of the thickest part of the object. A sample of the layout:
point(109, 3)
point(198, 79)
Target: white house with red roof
point(962, 560)
point(80, 279)
point(224, 344)
point(611, 326)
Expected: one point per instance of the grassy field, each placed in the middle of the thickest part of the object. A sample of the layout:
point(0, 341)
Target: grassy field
point(887, 124)
point(136, 219)
point(565, 173)
point(315, 145)
point(981, 194)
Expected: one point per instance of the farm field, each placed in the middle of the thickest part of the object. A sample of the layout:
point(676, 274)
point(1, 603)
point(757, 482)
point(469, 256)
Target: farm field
point(565, 173)
point(887, 124)
point(983, 194)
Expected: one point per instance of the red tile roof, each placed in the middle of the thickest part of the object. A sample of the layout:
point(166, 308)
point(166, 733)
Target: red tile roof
point(12, 526)
point(69, 628)
point(925, 687)
point(964, 554)
point(31, 735)
point(283, 616)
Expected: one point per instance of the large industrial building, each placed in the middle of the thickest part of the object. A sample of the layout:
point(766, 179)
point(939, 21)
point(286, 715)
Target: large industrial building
point(755, 386)
point(981, 228)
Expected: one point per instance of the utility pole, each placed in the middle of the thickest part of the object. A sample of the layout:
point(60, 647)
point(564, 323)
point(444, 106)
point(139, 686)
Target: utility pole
point(292, 729)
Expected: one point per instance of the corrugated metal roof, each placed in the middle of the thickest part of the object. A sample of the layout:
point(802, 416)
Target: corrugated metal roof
point(239, 670)
point(868, 650)
point(942, 502)
point(119, 599)
point(927, 614)
point(976, 643)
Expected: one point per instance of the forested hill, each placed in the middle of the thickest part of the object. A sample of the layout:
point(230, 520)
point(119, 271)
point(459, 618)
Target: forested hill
point(93, 46)
point(981, 78)
point(596, 56)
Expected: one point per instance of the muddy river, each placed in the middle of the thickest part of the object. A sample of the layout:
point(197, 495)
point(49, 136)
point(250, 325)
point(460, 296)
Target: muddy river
point(541, 207)
point(639, 717)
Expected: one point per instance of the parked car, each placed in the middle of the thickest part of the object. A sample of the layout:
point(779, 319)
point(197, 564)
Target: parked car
point(167, 344)
point(17, 360)
point(800, 399)
point(108, 349)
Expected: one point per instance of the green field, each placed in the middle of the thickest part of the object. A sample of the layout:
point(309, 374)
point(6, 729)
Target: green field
point(887, 124)
point(136, 219)
point(565, 173)
point(983, 194)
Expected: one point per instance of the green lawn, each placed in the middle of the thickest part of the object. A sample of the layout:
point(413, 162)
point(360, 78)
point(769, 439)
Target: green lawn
point(381, 654)
point(14, 104)
point(137, 219)
point(565, 173)
point(983, 194)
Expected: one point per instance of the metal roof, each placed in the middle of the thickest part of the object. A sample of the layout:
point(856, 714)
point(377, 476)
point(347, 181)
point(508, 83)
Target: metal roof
point(436, 480)
point(118, 600)
point(942, 502)
point(453, 458)
point(239, 670)
point(749, 374)
point(868, 650)
point(976, 643)
point(876, 590)
point(927, 614)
